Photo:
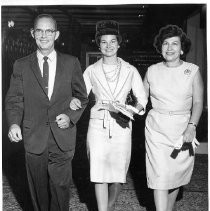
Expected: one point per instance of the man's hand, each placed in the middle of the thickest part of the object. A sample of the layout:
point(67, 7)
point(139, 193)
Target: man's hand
point(62, 121)
point(15, 134)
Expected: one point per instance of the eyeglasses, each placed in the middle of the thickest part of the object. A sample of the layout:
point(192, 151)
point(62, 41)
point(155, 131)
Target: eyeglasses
point(40, 32)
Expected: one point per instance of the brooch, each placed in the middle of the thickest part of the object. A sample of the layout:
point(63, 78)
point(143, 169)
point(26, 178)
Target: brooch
point(187, 72)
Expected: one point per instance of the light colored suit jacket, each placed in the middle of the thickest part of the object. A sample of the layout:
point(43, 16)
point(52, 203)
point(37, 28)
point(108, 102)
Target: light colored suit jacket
point(129, 78)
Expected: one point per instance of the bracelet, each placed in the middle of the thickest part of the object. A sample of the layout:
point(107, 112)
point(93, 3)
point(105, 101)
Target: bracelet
point(191, 123)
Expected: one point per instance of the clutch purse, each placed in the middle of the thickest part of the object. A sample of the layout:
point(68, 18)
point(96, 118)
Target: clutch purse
point(180, 146)
point(121, 119)
point(185, 146)
point(131, 99)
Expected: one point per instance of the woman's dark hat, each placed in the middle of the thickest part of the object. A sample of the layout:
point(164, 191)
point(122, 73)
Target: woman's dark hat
point(106, 27)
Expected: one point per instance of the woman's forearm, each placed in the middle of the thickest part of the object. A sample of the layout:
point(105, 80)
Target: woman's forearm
point(196, 112)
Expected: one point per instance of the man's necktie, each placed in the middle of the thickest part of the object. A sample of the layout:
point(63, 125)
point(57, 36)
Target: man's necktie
point(45, 73)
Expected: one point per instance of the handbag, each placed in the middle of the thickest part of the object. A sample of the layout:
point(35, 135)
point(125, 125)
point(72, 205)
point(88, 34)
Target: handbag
point(131, 99)
point(122, 119)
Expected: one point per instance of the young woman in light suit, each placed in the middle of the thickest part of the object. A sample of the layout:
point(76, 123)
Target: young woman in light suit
point(109, 132)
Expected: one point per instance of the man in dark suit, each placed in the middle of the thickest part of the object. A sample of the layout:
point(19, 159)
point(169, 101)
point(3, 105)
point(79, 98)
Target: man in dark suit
point(41, 88)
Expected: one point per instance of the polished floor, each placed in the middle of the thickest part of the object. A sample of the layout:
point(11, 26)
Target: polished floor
point(134, 196)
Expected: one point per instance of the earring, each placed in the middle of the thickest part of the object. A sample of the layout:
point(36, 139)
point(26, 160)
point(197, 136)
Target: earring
point(181, 52)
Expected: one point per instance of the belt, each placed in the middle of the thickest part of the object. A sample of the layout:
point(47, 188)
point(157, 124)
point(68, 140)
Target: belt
point(161, 111)
point(105, 102)
point(107, 120)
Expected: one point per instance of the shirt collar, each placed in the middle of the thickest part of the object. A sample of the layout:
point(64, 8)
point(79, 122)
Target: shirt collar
point(51, 56)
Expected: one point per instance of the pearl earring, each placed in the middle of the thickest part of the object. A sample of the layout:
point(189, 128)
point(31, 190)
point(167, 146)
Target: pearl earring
point(182, 52)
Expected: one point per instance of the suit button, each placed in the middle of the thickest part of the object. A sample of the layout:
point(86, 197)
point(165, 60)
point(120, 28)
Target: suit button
point(47, 123)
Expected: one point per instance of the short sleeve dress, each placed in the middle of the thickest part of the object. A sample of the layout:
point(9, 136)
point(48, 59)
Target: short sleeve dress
point(171, 98)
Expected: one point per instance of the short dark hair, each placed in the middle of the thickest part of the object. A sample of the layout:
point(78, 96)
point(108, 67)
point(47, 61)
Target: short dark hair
point(107, 27)
point(169, 31)
point(45, 16)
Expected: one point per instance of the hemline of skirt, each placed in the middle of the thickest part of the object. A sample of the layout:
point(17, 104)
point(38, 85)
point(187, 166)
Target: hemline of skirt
point(167, 186)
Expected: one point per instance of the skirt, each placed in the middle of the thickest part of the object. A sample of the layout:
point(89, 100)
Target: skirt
point(109, 153)
point(162, 132)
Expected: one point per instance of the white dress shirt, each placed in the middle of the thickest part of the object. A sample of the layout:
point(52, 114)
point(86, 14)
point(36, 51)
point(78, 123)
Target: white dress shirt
point(52, 61)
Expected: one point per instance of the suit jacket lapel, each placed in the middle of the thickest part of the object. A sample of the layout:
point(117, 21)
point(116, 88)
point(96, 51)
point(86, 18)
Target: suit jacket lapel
point(99, 74)
point(124, 73)
point(36, 70)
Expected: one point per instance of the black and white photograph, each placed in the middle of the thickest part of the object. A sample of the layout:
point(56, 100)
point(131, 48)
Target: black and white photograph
point(104, 106)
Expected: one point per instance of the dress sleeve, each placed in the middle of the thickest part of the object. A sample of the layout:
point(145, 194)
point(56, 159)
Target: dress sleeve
point(87, 79)
point(138, 90)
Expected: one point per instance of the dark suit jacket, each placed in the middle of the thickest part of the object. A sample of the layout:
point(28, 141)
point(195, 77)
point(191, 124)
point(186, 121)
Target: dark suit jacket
point(27, 102)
